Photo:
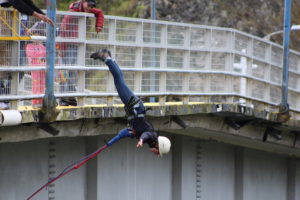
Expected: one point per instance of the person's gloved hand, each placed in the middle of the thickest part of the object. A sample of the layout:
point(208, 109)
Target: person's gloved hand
point(101, 55)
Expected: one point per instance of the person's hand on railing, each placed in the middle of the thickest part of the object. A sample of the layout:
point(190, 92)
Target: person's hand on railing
point(43, 18)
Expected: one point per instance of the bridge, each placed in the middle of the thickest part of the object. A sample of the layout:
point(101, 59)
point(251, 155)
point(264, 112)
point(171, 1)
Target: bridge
point(215, 91)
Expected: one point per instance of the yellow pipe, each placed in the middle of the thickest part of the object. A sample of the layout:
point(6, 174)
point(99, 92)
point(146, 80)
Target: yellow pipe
point(15, 38)
point(15, 23)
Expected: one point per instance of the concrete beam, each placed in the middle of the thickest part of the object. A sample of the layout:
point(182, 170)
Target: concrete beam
point(30, 115)
point(199, 126)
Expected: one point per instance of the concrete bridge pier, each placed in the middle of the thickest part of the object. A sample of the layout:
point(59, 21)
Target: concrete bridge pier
point(195, 169)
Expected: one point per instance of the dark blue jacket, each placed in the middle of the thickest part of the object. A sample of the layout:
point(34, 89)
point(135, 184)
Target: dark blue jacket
point(144, 130)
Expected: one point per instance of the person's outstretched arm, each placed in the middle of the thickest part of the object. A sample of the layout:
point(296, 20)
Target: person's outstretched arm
point(99, 19)
point(24, 7)
point(27, 7)
point(122, 134)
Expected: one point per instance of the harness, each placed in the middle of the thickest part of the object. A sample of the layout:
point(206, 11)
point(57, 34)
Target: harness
point(131, 108)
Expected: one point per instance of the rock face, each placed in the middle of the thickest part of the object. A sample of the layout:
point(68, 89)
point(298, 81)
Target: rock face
point(258, 17)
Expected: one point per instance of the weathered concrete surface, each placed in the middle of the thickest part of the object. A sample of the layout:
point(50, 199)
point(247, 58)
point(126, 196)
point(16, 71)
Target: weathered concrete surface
point(208, 121)
point(73, 113)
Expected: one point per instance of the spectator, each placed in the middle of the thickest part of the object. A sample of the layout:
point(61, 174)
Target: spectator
point(36, 56)
point(68, 51)
point(26, 7)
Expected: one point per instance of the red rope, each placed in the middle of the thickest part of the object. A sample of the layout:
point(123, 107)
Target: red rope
point(75, 166)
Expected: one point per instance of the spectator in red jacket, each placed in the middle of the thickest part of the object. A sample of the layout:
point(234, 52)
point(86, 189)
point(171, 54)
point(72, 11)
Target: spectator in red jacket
point(69, 51)
point(69, 26)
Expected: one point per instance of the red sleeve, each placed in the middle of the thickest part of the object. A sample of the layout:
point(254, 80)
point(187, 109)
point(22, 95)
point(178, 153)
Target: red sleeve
point(99, 17)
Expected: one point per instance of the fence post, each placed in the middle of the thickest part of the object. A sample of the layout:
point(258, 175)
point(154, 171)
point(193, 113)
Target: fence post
point(284, 107)
point(48, 112)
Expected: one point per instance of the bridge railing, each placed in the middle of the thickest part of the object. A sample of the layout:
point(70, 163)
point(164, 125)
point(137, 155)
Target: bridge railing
point(166, 60)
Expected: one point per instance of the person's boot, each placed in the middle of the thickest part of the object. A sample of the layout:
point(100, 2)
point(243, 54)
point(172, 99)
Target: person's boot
point(68, 101)
point(101, 54)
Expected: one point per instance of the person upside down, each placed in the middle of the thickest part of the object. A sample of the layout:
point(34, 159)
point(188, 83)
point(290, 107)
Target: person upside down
point(138, 126)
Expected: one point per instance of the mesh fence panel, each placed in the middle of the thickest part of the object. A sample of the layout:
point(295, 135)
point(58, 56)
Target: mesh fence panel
point(151, 58)
point(67, 53)
point(6, 21)
point(258, 89)
point(242, 43)
point(174, 82)
point(259, 49)
point(150, 82)
point(199, 37)
point(6, 52)
point(275, 94)
point(293, 80)
point(129, 79)
point(126, 56)
point(67, 81)
point(219, 39)
point(236, 87)
point(152, 33)
point(176, 35)
point(293, 99)
point(197, 82)
point(276, 74)
point(294, 62)
point(259, 69)
point(276, 56)
point(175, 59)
point(217, 83)
point(96, 81)
point(5, 83)
point(218, 61)
point(198, 60)
point(126, 31)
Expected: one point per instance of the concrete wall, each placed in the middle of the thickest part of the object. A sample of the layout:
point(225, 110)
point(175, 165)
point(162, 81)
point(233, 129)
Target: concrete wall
point(195, 169)
point(127, 173)
point(265, 176)
point(297, 182)
point(23, 167)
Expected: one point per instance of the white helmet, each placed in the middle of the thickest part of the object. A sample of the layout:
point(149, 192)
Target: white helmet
point(164, 145)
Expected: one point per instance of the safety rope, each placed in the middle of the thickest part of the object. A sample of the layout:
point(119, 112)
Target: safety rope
point(76, 165)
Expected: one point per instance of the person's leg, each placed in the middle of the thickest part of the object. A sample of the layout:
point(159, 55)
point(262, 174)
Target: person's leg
point(123, 90)
point(126, 94)
point(122, 134)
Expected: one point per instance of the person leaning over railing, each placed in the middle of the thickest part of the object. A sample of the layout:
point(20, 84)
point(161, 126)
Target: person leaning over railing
point(68, 51)
point(70, 29)
point(26, 7)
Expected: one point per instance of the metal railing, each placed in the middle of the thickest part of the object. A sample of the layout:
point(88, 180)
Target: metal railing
point(160, 59)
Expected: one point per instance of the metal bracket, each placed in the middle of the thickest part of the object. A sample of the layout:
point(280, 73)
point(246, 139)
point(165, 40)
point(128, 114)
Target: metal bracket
point(49, 129)
point(272, 132)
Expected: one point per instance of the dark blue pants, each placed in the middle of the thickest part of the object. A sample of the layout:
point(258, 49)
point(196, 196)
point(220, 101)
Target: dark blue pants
point(124, 92)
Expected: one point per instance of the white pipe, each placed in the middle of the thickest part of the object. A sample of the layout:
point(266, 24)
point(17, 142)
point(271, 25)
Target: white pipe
point(38, 38)
point(10, 117)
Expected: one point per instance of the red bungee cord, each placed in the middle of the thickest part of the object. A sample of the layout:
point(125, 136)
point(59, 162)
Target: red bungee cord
point(70, 168)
